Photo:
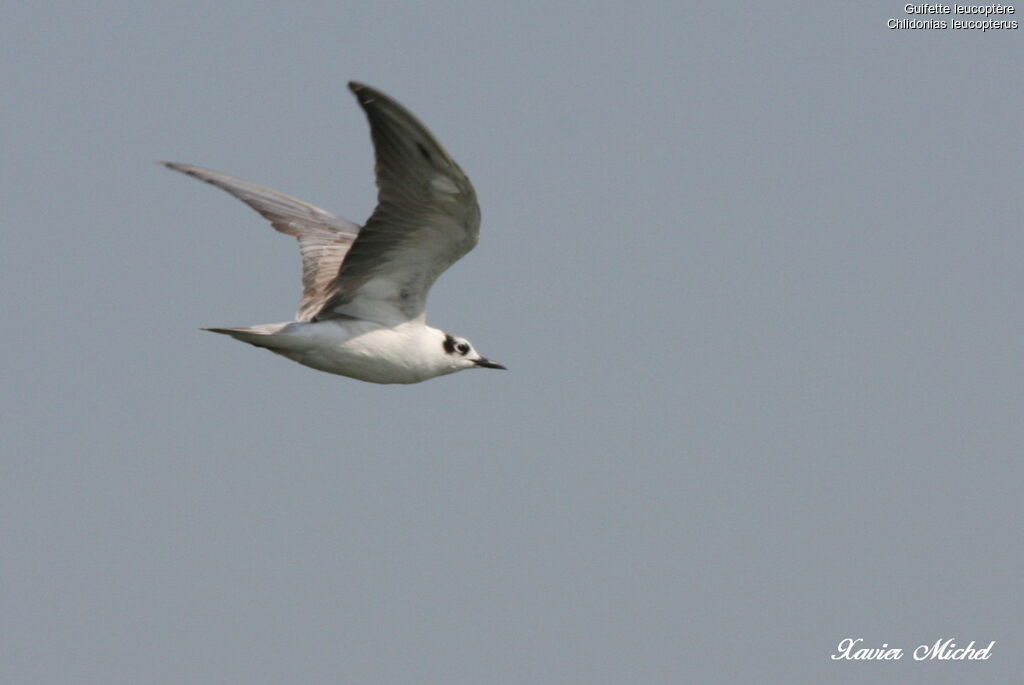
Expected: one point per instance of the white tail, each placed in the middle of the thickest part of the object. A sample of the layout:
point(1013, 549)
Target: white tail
point(273, 336)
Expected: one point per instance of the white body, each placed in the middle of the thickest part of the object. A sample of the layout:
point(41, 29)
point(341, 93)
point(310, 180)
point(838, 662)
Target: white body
point(410, 352)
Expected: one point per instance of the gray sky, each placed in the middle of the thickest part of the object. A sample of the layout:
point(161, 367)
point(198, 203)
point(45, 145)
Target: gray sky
point(755, 272)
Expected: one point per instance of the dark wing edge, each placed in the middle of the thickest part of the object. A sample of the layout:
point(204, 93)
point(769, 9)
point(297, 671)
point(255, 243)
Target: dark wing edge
point(427, 216)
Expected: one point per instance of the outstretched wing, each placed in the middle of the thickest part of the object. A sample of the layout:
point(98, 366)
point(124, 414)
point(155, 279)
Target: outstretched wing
point(426, 218)
point(324, 239)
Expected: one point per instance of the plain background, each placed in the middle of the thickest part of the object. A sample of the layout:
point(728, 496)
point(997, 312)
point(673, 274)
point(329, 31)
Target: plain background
point(755, 270)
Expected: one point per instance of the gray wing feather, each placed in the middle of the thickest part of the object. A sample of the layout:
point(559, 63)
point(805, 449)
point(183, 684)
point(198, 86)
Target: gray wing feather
point(324, 239)
point(426, 218)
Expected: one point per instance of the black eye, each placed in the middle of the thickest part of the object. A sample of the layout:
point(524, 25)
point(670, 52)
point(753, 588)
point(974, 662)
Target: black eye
point(463, 348)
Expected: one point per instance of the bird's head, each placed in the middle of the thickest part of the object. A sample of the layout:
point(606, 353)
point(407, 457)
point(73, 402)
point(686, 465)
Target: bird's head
point(459, 354)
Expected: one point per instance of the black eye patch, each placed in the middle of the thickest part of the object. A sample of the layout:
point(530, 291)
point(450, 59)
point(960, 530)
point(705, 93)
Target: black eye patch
point(449, 344)
point(463, 348)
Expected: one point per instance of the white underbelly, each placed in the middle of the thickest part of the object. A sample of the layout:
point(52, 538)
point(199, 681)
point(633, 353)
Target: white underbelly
point(375, 356)
point(358, 367)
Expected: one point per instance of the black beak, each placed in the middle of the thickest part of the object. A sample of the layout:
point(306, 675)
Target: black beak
point(488, 364)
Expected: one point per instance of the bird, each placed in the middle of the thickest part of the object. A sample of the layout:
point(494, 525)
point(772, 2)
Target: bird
point(363, 308)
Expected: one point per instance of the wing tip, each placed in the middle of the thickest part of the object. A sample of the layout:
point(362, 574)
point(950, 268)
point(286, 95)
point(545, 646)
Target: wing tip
point(367, 94)
point(178, 166)
point(204, 175)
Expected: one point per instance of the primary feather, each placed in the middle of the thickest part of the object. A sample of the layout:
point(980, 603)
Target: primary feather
point(324, 239)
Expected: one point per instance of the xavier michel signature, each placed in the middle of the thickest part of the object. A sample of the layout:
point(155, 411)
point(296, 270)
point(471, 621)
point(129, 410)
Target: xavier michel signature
point(944, 649)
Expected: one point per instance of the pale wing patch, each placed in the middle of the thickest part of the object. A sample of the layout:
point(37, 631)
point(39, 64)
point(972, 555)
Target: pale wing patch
point(444, 184)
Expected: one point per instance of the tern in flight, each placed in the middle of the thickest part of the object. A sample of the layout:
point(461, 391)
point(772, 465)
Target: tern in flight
point(362, 312)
